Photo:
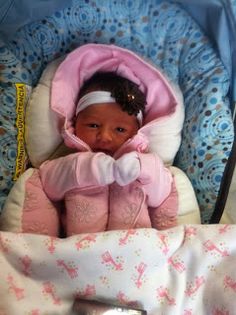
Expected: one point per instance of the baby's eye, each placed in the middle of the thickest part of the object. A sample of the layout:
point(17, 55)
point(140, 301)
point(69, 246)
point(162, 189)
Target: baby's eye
point(92, 125)
point(120, 129)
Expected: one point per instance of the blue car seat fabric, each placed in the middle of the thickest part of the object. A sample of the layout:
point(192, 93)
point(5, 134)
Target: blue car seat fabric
point(218, 20)
point(14, 14)
point(161, 31)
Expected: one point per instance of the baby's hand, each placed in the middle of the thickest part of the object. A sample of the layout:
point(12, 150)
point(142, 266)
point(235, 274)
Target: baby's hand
point(104, 164)
point(127, 169)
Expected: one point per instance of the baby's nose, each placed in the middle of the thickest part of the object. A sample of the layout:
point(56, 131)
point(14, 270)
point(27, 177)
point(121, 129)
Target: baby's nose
point(104, 135)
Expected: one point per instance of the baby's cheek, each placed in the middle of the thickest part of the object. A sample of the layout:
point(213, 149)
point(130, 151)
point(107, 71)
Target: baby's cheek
point(117, 143)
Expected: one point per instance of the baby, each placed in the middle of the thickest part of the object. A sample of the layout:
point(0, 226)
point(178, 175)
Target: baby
point(112, 182)
point(118, 117)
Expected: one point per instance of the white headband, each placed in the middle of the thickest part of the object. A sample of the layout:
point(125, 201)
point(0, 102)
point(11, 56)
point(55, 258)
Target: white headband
point(99, 97)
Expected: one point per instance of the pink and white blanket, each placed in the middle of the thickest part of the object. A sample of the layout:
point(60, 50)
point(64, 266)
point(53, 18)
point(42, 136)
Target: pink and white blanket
point(190, 269)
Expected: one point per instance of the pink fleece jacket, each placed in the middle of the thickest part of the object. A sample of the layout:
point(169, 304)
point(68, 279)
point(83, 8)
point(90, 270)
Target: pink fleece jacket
point(86, 180)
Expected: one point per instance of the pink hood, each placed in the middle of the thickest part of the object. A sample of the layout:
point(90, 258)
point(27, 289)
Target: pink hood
point(164, 114)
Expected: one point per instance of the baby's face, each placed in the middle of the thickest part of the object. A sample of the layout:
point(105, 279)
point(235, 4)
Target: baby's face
point(105, 127)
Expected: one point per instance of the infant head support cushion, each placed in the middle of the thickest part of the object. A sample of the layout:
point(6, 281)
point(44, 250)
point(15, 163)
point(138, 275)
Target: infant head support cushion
point(42, 133)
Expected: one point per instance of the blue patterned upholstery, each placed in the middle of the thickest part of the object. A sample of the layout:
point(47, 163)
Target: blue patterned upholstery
point(160, 31)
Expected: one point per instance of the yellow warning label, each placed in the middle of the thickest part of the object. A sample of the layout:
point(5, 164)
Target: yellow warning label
point(21, 99)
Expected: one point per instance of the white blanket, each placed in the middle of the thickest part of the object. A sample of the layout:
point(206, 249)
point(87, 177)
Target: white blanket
point(186, 270)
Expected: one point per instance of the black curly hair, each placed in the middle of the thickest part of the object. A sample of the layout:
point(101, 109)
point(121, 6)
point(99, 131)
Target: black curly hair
point(126, 93)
